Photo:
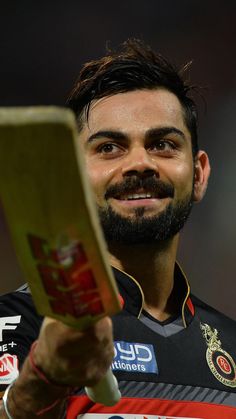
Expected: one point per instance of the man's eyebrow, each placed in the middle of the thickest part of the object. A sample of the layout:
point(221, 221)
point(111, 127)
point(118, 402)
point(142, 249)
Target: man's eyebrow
point(113, 135)
point(152, 133)
point(159, 132)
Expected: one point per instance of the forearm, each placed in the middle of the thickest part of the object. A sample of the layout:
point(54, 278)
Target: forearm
point(30, 396)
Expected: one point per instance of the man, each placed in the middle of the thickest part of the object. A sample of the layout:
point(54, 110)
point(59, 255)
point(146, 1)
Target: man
point(174, 356)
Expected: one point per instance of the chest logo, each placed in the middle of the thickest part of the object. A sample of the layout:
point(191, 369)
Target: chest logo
point(219, 361)
point(134, 357)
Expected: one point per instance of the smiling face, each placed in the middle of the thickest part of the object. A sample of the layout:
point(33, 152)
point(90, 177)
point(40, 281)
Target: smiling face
point(140, 164)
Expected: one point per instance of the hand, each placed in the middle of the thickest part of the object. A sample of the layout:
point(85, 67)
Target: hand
point(71, 357)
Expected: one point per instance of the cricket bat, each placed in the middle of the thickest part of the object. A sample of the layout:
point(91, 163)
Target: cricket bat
point(52, 217)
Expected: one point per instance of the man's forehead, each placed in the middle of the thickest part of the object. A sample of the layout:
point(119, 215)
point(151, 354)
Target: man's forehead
point(136, 110)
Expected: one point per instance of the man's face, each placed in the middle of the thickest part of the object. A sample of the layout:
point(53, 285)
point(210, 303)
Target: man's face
point(139, 160)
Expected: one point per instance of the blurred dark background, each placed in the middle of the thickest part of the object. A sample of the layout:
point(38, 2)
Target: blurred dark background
point(42, 46)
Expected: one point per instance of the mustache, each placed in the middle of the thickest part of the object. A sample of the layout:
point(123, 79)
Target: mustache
point(133, 184)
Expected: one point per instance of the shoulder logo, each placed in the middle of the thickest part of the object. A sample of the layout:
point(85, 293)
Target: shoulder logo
point(8, 368)
point(219, 361)
point(8, 323)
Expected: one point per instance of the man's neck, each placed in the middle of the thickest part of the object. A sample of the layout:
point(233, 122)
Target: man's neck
point(153, 267)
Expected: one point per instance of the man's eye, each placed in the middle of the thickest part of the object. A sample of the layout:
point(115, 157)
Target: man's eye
point(108, 148)
point(163, 145)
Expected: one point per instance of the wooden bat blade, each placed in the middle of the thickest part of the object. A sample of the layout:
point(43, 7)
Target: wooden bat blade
point(52, 217)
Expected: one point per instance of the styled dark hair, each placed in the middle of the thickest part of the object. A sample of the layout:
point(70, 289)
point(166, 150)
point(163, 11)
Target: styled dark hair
point(134, 66)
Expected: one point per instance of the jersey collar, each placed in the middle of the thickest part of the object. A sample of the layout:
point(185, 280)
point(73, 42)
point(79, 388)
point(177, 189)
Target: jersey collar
point(133, 298)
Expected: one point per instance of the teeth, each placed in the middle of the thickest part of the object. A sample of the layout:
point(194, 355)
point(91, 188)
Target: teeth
point(138, 196)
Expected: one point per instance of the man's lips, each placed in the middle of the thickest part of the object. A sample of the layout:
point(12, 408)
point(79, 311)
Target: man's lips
point(139, 195)
point(146, 202)
point(139, 198)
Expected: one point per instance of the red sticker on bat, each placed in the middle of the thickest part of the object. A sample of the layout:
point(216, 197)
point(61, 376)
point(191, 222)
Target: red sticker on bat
point(67, 278)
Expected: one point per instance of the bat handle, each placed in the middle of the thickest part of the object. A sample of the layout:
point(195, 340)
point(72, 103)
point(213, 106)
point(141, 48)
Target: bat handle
point(106, 391)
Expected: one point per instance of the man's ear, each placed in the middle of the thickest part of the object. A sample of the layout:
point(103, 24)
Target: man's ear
point(202, 171)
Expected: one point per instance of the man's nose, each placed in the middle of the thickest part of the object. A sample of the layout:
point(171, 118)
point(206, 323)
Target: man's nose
point(139, 162)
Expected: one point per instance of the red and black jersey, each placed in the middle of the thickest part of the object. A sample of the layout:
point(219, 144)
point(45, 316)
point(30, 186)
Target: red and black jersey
point(180, 368)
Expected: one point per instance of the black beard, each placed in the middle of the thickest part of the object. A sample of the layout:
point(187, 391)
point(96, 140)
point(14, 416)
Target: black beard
point(141, 229)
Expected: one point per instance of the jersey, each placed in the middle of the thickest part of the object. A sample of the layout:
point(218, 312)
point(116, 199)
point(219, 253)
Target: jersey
point(181, 368)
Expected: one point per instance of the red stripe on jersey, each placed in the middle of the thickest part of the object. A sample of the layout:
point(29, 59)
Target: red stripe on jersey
point(190, 306)
point(192, 409)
